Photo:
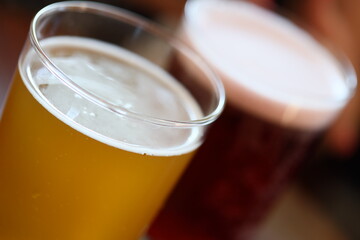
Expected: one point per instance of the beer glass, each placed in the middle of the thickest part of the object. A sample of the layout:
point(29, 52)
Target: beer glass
point(284, 88)
point(96, 129)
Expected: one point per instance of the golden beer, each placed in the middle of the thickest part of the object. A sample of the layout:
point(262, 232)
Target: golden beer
point(61, 175)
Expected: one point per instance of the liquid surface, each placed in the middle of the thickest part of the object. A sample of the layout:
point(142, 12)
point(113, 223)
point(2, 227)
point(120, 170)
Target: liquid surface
point(123, 79)
point(269, 66)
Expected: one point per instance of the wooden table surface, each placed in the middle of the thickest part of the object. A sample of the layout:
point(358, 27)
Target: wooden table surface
point(296, 216)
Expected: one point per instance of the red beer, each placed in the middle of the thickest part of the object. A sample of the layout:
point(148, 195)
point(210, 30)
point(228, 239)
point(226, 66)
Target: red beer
point(283, 88)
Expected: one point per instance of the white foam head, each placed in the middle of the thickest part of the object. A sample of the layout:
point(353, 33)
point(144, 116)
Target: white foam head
point(121, 78)
point(268, 65)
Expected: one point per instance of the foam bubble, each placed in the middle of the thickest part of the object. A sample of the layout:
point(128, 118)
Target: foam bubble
point(121, 78)
point(268, 65)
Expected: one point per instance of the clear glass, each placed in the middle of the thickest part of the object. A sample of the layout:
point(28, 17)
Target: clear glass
point(98, 124)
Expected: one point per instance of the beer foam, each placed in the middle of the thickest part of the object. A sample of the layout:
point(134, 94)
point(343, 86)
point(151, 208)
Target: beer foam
point(268, 65)
point(122, 79)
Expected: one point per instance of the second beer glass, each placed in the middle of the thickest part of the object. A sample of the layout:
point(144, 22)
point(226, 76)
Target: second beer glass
point(284, 88)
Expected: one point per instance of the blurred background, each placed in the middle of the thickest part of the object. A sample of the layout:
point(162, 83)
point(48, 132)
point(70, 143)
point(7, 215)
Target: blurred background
point(323, 202)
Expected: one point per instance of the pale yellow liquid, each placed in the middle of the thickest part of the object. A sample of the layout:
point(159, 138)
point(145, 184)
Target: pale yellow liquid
point(57, 183)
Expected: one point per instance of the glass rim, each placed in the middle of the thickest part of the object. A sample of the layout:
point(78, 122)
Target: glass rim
point(345, 66)
point(149, 26)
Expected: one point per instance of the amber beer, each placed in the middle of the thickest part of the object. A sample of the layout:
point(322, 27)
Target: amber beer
point(73, 168)
point(283, 89)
